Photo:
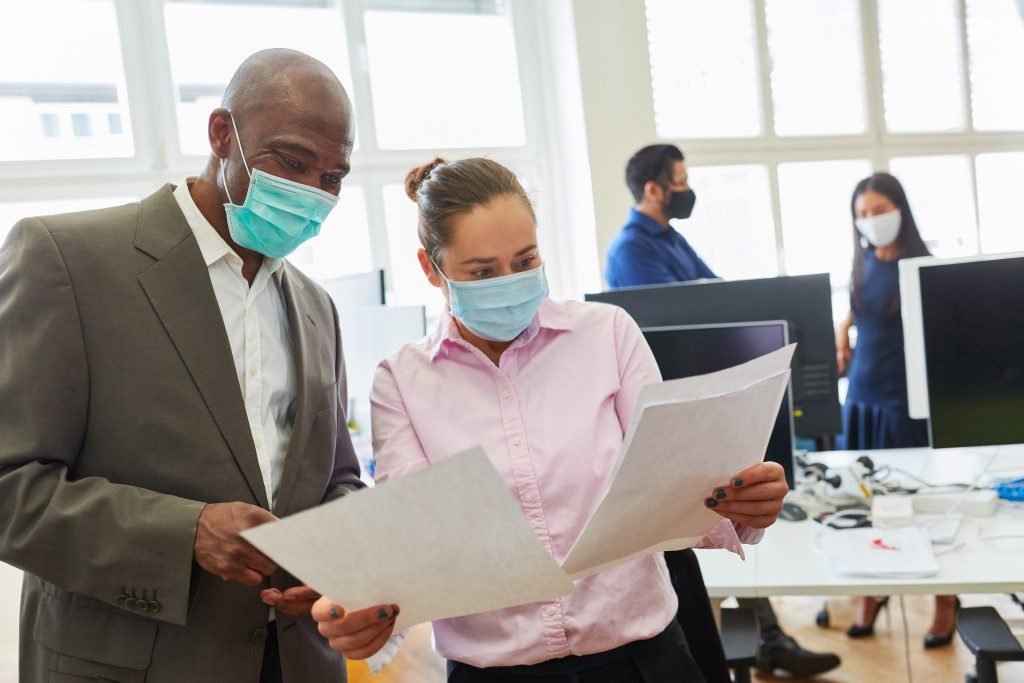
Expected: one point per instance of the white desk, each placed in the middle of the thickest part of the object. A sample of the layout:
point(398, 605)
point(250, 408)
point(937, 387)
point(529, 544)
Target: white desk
point(787, 562)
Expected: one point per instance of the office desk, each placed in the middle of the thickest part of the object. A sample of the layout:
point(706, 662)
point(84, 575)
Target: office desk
point(787, 561)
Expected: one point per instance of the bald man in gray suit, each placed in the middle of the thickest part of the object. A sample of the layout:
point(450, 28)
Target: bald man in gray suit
point(164, 387)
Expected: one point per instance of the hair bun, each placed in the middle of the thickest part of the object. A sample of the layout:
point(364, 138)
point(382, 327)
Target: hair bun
point(416, 177)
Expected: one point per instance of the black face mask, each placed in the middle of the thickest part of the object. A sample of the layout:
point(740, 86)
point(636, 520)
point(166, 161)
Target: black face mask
point(680, 204)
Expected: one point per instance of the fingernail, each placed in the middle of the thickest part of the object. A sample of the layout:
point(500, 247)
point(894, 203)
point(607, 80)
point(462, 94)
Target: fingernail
point(720, 494)
point(738, 482)
point(334, 613)
point(382, 613)
point(710, 502)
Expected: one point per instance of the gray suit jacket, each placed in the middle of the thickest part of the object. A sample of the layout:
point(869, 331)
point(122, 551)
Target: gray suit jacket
point(120, 416)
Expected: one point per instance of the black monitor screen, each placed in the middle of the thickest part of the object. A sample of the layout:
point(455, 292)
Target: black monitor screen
point(973, 315)
point(803, 301)
point(684, 351)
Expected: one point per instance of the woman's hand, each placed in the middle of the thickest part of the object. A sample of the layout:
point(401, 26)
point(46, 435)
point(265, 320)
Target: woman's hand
point(844, 353)
point(753, 497)
point(296, 601)
point(357, 635)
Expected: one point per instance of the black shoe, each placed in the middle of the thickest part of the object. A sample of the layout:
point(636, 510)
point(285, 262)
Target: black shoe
point(932, 641)
point(859, 631)
point(779, 651)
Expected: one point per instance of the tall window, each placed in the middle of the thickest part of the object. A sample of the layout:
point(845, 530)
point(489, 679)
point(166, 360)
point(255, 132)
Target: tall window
point(810, 97)
point(111, 98)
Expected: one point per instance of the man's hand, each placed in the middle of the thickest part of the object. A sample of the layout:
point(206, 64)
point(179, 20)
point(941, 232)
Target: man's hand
point(357, 635)
point(221, 551)
point(753, 497)
point(296, 601)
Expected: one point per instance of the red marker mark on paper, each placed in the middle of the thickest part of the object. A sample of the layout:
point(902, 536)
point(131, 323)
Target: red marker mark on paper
point(880, 545)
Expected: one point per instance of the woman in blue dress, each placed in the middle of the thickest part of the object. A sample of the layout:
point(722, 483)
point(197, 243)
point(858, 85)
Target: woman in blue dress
point(875, 411)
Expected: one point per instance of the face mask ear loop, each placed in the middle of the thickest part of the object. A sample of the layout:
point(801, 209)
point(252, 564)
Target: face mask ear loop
point(239, 141)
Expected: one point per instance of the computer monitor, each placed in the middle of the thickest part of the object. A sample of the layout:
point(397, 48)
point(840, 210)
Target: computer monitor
point(803, 301)
point(358, 289)
point(972, 314)
point(686, 350)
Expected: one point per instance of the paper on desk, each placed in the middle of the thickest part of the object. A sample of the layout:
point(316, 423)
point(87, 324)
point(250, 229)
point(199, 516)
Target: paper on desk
point(441, 542)
point(901, 552)
point(687, 436)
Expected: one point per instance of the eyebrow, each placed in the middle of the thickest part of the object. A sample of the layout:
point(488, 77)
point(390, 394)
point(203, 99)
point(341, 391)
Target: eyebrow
point(483, 261)
point(300, 150)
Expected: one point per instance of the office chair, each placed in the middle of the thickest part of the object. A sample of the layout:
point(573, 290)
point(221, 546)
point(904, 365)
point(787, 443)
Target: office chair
point(989, 639)
point(715, 655)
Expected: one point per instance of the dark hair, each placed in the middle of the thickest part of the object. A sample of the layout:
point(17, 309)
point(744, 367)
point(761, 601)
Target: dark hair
point(444, 190)
point(908, 240)
point(653, 162)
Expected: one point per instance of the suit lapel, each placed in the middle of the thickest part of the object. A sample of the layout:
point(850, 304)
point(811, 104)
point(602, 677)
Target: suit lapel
point(303, 330)
point(178, 286)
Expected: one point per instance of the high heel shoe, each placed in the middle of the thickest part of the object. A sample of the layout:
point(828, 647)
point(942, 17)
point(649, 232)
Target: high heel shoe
point(932, 641)
point(859, 631)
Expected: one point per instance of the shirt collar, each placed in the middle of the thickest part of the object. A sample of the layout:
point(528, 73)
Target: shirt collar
point(550, 316)
point(211, 244)
point(646, 223)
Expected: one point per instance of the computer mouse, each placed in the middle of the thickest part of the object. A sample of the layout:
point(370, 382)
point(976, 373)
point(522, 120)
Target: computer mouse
point(791, 512)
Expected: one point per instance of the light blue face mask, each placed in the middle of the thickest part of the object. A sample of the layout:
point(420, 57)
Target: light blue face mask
point(498, 309)
point(278, 214)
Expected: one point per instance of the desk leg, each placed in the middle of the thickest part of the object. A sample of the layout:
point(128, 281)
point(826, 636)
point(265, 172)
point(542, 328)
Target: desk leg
point(716, 609)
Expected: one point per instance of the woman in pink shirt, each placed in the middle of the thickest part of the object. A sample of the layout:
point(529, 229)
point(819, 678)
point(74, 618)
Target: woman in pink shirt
point(548, 390)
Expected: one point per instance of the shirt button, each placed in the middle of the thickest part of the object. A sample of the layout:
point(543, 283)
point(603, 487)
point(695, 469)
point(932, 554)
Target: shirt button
point(516, 441)
point(528, 497)
point(258, 444)
point(506, 394)
point(252, 371)
point(550, 611)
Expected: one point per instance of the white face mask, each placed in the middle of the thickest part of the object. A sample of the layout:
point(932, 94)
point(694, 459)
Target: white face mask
point(880, 230)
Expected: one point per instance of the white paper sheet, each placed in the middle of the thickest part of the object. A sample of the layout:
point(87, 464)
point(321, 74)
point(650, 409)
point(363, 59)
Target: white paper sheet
point(442, 542)
point(687, 436)
point(895, 553)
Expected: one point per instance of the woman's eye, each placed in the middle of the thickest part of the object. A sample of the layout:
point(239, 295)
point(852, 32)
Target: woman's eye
point(527, 262)
point(484, 272)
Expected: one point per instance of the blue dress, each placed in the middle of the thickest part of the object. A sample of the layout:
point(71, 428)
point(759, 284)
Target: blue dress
point(875, 413)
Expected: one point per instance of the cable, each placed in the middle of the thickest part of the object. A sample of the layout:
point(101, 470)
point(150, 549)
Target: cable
point(906, 640)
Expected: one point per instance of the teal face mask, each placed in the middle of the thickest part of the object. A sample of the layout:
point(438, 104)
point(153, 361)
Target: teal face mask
point(498, 309)
point(278, 214)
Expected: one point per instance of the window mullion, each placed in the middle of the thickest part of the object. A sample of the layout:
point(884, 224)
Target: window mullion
point(874, 99)
point(965, 70)
point(764, 70)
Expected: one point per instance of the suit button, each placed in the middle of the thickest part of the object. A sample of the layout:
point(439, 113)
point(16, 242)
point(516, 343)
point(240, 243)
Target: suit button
point(259, 635)
point(142, 605)
point(120, 599)
point(154, 606)
point(129, 603)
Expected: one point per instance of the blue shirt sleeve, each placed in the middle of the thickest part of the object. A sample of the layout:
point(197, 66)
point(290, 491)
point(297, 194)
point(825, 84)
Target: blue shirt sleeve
point(630, 264)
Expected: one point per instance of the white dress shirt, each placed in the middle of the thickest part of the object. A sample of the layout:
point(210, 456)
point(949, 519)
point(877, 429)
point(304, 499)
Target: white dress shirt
point(256, 321)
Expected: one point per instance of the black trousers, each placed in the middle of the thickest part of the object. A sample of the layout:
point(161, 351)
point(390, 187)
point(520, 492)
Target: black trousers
point(665, 658)
point(271, 671)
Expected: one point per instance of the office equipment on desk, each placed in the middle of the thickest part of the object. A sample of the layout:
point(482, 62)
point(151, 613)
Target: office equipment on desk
point(961, 319)
point(358, 289)
point(803, 301)
point(686, 350)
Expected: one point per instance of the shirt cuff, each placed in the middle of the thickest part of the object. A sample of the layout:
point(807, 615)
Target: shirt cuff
point(731, 537)
point(382, 657)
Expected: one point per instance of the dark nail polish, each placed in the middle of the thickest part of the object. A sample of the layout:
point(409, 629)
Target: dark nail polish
point(738, 482)
point(710, 502)
point(382, 613)
point(720, 494)
point(333, 613)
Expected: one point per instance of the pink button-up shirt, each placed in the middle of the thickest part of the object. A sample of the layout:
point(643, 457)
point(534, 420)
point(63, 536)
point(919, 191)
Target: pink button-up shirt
point(551, 417)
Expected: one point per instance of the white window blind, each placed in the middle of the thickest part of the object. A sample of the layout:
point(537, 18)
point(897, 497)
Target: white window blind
point(731, 227)
point(921, 65)
point(817, 74)
point(703, 68)
point(995, 36)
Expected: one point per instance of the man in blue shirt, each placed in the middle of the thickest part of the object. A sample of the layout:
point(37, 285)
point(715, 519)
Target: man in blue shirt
point(648, 250)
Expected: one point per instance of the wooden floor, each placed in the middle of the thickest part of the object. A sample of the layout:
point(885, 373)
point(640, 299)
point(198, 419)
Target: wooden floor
point(879, 659)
